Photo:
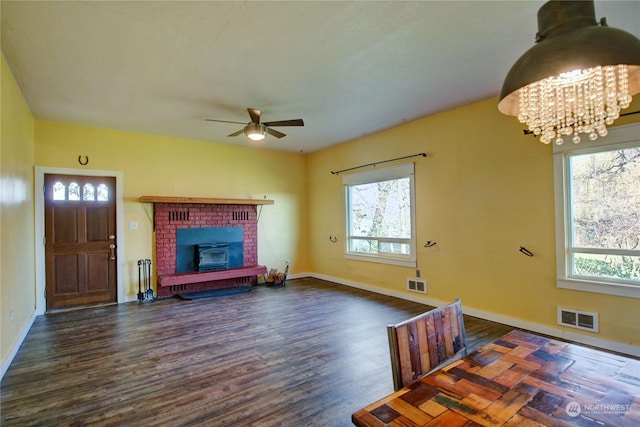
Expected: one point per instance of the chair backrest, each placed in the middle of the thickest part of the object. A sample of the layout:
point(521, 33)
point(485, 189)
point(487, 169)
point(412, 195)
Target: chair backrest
point(425, 342)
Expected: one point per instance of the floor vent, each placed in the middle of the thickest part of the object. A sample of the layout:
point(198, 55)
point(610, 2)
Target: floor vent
point(417, 285)
point(578, 319)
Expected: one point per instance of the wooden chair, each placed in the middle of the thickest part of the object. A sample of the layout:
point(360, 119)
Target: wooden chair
point(425, 342)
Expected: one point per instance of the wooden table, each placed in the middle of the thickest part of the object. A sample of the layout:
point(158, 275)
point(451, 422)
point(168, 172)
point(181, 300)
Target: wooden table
point(518, 380)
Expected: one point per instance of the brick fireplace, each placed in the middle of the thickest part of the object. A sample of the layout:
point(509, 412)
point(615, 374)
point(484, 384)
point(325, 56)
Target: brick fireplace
point(173, 214)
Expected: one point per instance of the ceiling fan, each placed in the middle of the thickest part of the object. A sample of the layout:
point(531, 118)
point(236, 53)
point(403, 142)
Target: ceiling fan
point(257, 130)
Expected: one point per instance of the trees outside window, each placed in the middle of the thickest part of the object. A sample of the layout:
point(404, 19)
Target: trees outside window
point(605, 195)
point(599, 210)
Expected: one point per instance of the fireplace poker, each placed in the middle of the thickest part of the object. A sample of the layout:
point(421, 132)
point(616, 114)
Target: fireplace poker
point(148, 278)
point(140, 294)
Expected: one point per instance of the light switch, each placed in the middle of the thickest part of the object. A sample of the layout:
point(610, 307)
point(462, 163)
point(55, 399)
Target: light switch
point(133, 225)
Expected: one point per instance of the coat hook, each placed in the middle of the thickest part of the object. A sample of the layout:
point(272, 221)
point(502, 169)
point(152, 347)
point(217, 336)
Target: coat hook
point(333, 239)
point(429, 244)
point(83, 162)
point(526, 251)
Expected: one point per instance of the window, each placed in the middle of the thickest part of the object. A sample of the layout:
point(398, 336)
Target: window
point(598, 214)
point(74, 191)
point(103, 193)
point(380, 216)
point(88, 192)
point(59, 191)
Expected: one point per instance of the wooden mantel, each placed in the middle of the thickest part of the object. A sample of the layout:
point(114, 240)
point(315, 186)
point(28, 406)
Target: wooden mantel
point(204, 200)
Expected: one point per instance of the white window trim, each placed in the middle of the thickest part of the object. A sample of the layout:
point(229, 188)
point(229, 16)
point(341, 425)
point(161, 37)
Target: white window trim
point(620, 137)
point(392, 172)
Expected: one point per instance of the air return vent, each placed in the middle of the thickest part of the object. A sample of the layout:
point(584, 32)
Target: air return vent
point(417, 285)
point(178, 216)
point(578, 319)
point(240, 215)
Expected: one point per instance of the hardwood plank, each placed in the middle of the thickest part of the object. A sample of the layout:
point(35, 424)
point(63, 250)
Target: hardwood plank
point(310, 353)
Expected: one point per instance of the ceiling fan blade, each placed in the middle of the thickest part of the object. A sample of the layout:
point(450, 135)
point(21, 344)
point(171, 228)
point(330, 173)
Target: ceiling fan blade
point(275, 133)
point(295, 122)
point(254, 114)
point(240, 132)
point(224, 121)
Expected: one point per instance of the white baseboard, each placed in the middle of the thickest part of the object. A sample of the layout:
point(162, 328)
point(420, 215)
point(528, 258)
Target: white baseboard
point(130, 298)
point(506, 320)
point(16, 345)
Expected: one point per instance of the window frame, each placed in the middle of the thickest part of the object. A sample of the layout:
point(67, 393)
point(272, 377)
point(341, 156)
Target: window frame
point(377, 175)
point(620, 137)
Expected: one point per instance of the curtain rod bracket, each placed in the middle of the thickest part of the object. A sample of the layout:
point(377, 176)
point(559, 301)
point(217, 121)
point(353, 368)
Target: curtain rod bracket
point(525, 251)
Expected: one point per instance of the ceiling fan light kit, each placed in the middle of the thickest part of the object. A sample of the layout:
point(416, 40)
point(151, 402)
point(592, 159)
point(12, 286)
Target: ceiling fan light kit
point(257, 130)
point(577, 77)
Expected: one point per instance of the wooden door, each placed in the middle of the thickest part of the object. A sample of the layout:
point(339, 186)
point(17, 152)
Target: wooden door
point(80, 240)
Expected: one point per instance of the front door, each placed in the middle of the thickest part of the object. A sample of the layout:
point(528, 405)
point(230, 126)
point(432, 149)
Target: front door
point(80, 240)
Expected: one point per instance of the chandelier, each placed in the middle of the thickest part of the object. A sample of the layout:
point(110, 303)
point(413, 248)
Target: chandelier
point(582, 101)
point(576, 79)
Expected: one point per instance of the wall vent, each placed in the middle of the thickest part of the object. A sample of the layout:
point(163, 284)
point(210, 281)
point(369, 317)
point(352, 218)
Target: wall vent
point(243, 280)
point(578, 319)
point(178, 216)
point(240, 215)
point(417, 285)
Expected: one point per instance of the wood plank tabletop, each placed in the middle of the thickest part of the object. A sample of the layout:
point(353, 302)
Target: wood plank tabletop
point(520, 379)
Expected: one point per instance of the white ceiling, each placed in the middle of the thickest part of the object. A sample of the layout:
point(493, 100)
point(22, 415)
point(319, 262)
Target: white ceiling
point(347, 68)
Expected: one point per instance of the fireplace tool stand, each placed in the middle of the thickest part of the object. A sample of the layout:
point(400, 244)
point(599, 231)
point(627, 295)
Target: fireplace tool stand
point(144, 281)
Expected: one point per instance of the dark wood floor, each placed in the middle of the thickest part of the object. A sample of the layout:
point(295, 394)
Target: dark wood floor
point(308, 354)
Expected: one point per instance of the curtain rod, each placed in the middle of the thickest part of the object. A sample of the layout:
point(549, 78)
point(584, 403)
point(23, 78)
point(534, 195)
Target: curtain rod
point(377, 163)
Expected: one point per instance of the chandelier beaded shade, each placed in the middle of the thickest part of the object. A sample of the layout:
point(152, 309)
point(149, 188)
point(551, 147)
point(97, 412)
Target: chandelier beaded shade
point(576, 79)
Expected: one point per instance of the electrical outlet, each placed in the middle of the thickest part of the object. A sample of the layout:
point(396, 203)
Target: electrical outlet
point(11, 317)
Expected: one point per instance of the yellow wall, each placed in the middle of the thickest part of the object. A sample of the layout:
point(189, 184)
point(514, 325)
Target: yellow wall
point(17, 290)
point(484, 190)
point(163, 166)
